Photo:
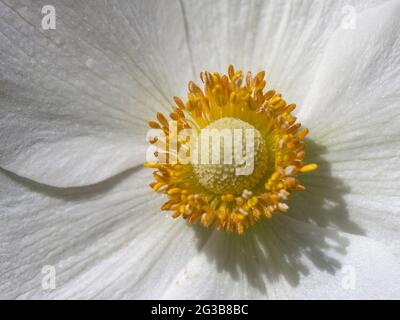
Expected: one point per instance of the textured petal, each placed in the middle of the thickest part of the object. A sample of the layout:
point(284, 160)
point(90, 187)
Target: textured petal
point(288, 259)
point(354, 119)
point(74, 100)
point(104, 241)
point(94, 81)
point(285, 38)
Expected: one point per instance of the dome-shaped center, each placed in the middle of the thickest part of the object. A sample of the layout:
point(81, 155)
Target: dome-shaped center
point(231, 155)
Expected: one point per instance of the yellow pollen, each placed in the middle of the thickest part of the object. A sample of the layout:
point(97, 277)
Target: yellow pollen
point(253, 174)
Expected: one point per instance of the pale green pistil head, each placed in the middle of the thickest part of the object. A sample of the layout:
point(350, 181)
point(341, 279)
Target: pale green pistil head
point(242, 154)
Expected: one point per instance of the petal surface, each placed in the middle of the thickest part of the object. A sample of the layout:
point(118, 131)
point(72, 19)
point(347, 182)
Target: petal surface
point(98, 237)
point(75, 100)
point(284, 38)
point(354, 118)
point(88, 87)
point(106, 241)
point(111, 241)
point(287, 259)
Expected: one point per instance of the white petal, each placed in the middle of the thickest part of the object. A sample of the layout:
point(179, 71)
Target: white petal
point(75, 100)
point(104, 241)
point(287, 259)
point(354, 123)
point(285, 38)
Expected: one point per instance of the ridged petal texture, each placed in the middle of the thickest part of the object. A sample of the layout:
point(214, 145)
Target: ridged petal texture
point(73, 108)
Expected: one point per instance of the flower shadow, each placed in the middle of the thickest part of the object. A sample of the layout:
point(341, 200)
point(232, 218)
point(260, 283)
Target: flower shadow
point(289, 245)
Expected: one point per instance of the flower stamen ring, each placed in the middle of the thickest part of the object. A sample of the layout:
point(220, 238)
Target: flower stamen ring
point(234, 193)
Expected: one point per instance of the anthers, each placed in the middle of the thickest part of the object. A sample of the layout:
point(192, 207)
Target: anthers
point(214, 193)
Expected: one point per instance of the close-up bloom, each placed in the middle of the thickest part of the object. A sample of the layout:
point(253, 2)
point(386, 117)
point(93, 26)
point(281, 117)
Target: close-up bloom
point(106, 112)
point(229, 193)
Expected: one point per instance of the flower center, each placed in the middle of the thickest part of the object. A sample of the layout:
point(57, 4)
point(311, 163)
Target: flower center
point(247, 156)
point(236, 156)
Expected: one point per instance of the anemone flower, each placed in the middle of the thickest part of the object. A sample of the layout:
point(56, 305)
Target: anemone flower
point(78, 89)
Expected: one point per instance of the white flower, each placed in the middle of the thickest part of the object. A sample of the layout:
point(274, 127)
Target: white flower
point(74, 103)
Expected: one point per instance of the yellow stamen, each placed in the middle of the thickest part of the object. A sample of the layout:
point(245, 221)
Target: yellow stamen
point(214, 194)
point(309, 167)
